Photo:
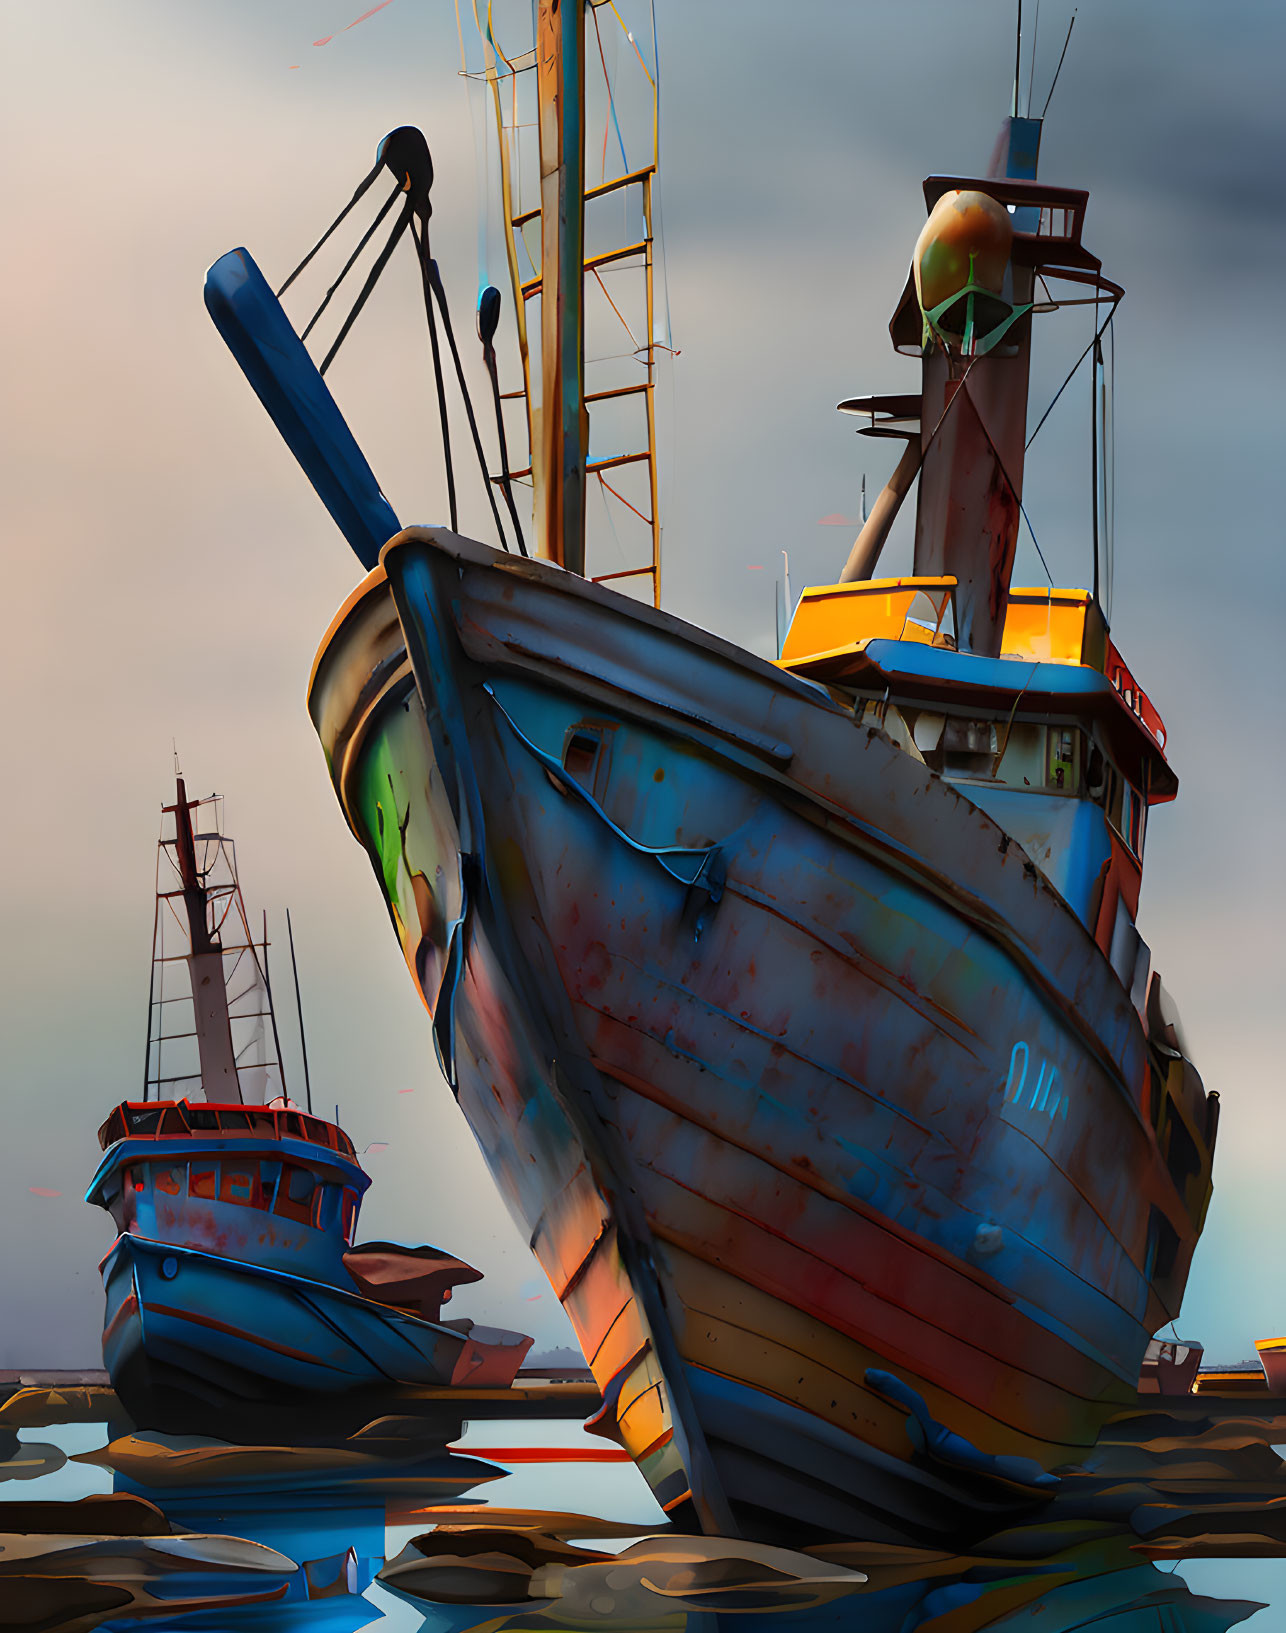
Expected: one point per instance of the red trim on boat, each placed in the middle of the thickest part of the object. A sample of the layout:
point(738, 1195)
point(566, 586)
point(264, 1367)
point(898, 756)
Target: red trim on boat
point(128, 1305)
point(545, 1454)
point(234, 1332)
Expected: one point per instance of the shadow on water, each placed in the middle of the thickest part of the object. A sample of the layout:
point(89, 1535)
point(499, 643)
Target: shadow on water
point(106, 1526)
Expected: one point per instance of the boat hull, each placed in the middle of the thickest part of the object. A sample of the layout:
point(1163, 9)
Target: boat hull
point(188, 1332)
point(795, 1069)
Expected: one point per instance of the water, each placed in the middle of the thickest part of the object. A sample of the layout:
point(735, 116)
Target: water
point(325, 1522)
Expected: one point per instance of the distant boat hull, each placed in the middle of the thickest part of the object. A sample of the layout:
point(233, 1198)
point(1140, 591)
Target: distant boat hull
point(183, 1326)
point(1272, 1357)
point(791, 1064)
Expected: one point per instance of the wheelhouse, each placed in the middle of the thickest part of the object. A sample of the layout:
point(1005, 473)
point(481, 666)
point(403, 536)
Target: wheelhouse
point(1054, 738)
point(270, 1184)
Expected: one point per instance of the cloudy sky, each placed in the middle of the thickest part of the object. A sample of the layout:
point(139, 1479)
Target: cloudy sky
point(168, 573)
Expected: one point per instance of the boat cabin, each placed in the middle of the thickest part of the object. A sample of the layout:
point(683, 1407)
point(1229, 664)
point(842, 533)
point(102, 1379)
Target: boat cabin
point(1054, 738)
point(270, 1185)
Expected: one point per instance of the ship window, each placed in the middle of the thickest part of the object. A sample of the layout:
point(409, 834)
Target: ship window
point(263, 1122)
point(146, 1121)
point(168, 1180)
point(202, 1117)
point(237, 1185)
point(1124, 805)
point(1063, 771)
point(1132, 819)
point(1162, 1248)
point(235, 1119)
point(295, 1197)
point(295, 1124)
point(1181, 1155)
point(203, 1183)
point(324, 1207)
point(968, 748)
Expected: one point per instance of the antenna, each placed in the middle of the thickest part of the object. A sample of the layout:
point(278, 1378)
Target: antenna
point(299, 1009)
point(1018, 56)
point(1031, 64)
point(1059, 69)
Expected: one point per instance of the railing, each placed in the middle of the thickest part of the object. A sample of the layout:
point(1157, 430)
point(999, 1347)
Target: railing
point(178, 1119)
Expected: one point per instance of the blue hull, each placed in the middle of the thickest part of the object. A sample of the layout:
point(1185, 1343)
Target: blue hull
point(181, 1322)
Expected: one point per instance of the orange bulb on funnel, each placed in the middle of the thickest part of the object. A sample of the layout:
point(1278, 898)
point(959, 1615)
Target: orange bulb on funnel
point(964, 246)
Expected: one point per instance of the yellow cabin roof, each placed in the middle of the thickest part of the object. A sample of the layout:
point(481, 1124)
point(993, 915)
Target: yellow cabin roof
point(1050, 626)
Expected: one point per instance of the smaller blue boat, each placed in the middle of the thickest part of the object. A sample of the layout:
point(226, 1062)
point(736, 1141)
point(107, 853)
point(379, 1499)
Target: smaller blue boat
point(235, 1285)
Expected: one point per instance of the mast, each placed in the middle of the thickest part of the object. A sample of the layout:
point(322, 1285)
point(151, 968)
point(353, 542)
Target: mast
point(219, 1081)
point(563, 434)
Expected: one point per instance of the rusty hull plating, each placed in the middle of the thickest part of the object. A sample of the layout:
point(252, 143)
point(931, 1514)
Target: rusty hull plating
point(809, 1084)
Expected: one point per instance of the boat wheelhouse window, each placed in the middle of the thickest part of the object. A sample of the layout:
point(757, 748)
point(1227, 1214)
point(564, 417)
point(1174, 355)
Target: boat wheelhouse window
point(326, 1207)
point(237, 1184)
point(1133, 819)
point(203, 1183)
point(295, 1195)
point(171, 1181)
point(968, 748)
point(234, 1119)
point(1063, 770)
point(173, 1121)
point(144, 1119)
point(263, 1122)
point(1124, 805)
point(202, 1117)
point(295, 1124)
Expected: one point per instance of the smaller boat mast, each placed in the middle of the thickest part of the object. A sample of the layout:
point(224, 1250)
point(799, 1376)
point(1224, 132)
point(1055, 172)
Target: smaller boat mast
point(201, 924)
point(219, 1080)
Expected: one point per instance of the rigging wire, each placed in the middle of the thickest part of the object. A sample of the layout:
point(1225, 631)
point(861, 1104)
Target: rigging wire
point(1059, 69)
point(372, 277)
point(611, 102)
point(1031, 66)
point(435, 283)
point(440, 387)
point(361, 189)
point(1109, 462)
point(272, 1014)
point(1116, 301)
point(348, 265)
point(1098, 358)
point(299, 1009)
point(488, 318)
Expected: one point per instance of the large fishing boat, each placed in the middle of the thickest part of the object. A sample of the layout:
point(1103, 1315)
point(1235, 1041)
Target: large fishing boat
point(798, 1007)
point(235, 1287)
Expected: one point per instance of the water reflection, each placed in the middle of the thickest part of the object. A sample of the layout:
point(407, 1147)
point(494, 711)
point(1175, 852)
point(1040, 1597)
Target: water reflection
point(196, 1533)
